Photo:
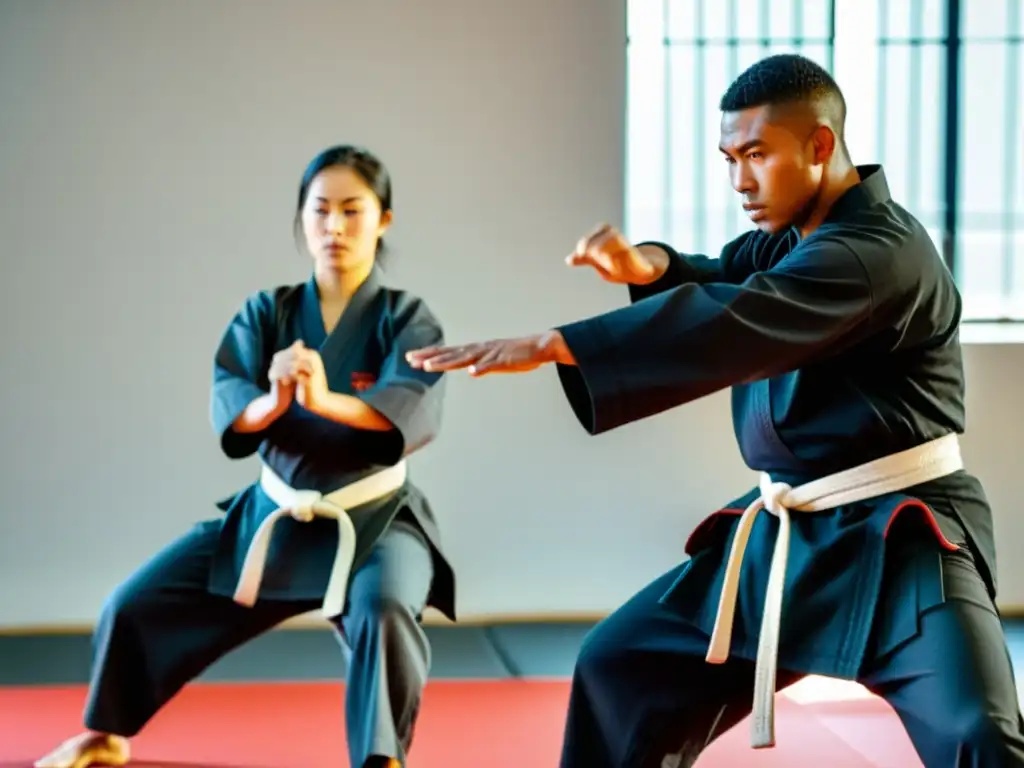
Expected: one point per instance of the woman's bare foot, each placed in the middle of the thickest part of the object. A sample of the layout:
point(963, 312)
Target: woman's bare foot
point(88, 749)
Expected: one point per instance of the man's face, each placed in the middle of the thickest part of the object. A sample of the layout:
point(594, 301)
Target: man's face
point(776, 161)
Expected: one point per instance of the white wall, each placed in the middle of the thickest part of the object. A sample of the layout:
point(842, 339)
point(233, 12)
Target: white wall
point(149, 162)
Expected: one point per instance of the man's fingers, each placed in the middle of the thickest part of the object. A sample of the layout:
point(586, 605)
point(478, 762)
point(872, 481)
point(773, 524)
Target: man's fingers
point(480, 359)
point(598, 234)
point(601, 237)
point(581, 246)
point(451, 358)
point(589, 241)
point(416, 357)
point(599, 262)
point(592, 247)
point(488, 362)
point(580, 260)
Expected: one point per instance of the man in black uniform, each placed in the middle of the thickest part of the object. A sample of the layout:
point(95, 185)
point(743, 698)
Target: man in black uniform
point(835, 323)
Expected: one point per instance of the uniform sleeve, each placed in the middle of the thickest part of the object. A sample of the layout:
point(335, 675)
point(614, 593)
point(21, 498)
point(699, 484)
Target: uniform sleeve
point(412, 400)
point(693, 340)
point(730, 267)
point(239, 373)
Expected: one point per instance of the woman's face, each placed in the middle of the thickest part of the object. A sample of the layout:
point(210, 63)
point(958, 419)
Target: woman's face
point(342, 219)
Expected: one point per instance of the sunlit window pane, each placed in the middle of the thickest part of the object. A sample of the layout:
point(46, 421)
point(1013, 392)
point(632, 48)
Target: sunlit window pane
point(890, 57)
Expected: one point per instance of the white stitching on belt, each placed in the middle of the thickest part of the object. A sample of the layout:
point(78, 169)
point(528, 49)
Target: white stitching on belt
point(304, 506)
point(888, 474)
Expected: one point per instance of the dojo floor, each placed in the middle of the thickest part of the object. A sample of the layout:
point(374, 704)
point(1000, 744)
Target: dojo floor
point(497, 699)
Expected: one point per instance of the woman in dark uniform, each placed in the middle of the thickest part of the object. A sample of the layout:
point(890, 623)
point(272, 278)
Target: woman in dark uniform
point(313, 378)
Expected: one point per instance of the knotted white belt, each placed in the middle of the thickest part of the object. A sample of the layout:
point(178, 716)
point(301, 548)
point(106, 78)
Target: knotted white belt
point(888, 474)
point(304, 506)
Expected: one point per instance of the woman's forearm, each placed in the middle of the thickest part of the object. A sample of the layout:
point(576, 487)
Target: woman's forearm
point(259, 414)
point(351, 411)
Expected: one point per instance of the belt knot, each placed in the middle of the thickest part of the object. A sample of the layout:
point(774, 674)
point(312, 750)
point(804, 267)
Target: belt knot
point(305, 500)
point(774, 495)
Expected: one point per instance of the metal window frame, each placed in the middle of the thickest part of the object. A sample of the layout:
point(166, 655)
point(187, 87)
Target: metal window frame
point(952, 42)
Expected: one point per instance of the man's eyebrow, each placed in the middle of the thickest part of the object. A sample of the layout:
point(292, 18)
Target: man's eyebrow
point(745, 147)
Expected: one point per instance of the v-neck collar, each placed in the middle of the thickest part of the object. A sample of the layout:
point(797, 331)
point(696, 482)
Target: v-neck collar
point(313, 328)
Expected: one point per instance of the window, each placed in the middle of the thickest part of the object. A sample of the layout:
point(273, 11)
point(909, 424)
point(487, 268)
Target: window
point(953, 147)
point(989, 202)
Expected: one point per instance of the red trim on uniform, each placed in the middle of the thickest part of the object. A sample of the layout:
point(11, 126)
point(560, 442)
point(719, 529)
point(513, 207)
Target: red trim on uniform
point(705, 526)
point(929, 517)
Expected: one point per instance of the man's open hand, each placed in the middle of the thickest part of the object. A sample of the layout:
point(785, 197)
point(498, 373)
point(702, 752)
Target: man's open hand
point(498, 356)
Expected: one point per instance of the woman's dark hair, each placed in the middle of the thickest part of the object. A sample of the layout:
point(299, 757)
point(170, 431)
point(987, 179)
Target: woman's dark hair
point(363, 162)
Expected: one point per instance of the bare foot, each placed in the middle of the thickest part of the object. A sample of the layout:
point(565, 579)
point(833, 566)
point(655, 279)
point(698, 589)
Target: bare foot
point(88, 749)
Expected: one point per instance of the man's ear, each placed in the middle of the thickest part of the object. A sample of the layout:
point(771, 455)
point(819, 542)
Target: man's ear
point(825, 144)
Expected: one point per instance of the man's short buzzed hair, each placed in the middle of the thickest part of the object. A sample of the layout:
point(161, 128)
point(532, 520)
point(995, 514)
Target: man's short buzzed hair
point(787, 78)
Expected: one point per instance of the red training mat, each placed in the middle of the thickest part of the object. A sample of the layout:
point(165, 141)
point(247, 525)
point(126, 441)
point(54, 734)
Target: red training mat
point(499, 724)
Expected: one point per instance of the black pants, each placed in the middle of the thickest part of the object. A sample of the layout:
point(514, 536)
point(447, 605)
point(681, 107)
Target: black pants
point(161, 628)
point(642, 690)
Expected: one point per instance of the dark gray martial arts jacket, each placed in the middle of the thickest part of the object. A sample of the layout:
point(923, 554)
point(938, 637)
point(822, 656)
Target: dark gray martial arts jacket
point(363, 356)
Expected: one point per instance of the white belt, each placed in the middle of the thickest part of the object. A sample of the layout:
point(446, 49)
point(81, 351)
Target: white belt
point(304, 506)
point(888, 474)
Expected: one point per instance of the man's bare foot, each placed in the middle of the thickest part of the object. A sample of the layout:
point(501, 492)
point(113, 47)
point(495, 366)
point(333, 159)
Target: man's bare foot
point(88, 749)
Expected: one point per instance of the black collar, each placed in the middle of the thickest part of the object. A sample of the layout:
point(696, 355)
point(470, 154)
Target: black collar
point(872, 190)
